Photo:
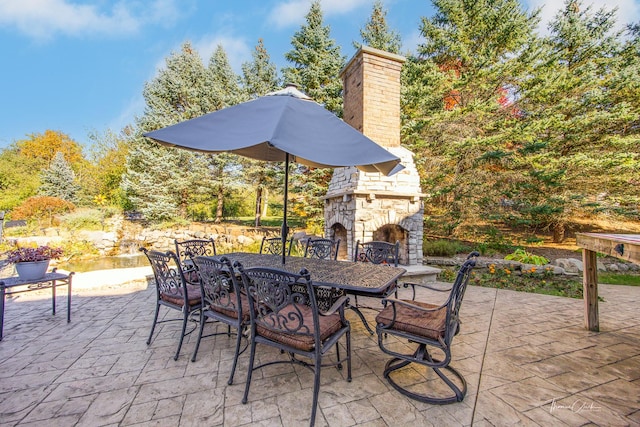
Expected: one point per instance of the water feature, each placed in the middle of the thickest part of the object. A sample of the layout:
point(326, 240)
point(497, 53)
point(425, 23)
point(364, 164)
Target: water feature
point(105, 263)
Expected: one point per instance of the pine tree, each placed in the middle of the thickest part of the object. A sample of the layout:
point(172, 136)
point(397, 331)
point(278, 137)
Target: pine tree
point(160, 182)
point(454, 113)
point(317, 62)
point(226, 83)
point(260, 78)
point(578, 146)
point(376, 32)
point(59, 180)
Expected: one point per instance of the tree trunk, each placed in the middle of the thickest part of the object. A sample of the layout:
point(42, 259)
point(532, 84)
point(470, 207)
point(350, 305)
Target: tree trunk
point(220, 205)
point(258, 205)
point(558, 233)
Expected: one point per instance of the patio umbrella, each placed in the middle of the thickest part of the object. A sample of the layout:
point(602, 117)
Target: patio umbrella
point(283, 126)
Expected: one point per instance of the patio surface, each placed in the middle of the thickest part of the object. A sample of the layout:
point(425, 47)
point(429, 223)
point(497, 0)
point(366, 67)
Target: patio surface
point(527, 359)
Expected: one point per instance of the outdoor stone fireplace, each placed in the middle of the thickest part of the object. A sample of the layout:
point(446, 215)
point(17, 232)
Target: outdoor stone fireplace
point(370, 206)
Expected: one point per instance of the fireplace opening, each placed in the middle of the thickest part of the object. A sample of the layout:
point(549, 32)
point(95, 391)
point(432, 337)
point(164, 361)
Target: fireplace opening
point(338, 231)
point(392, 233)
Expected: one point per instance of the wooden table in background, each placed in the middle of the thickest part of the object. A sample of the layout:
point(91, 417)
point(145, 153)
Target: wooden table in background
point(623, 246)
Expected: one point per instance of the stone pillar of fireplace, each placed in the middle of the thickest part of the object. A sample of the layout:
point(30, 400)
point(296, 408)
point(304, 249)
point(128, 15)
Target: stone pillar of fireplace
point(370, 206)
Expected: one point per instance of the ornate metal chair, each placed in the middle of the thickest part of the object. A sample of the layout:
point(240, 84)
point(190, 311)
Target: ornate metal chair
point(285, 315)
point(428, 326)
point(172, 291)
point(322, 248)
point(375, 252)
point(189, 249)
point(273, 245)
point(222, 301)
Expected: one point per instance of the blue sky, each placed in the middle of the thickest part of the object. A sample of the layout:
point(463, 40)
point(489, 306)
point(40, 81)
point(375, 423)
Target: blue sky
point(79, 66)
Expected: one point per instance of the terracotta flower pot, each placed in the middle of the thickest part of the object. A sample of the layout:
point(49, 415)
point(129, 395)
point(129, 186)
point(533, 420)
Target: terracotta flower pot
point(32, 270)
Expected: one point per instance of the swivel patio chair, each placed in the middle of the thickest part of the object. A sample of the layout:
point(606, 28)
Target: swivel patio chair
point(222, 301)
point(426, 326)
point(375, 252)
point(172, 291)
point(273, 246)
point(322, 248)
point(285, 315)
point(189, 249)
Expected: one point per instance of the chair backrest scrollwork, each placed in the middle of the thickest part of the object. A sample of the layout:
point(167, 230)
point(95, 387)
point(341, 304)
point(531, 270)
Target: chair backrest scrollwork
point(377, 252)
point(278, 300)
point(219, 287)
point(168, 274)
point(322, 248)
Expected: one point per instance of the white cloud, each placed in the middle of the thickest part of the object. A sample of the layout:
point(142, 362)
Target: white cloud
point(43, 19)
point(628, 11)
point(292, 12)
point(237, 49)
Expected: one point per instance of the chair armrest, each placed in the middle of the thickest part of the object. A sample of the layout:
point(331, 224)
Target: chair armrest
point(426, 286)
point(405, 303)
point(337, 305)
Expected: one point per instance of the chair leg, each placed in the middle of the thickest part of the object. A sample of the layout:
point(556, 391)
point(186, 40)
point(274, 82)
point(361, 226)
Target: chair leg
point(202, 322)
point(184, 329)
point(348, 336)
point(250, 370)
point(316, 391)
point(153, 326)
point(235, 357)
point(458, 392)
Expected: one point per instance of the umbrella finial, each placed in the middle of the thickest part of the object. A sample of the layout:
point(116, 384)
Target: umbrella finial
point(290, 89)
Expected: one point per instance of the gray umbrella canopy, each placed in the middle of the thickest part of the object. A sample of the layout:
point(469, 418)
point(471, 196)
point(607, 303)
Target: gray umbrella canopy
point(282, 122)
point(281, 126)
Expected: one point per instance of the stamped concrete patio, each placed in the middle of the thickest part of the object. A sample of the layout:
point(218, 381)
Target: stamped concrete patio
point(527, 358)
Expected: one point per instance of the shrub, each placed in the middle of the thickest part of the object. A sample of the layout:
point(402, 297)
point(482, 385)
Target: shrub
point(42, 207)
point(83, 219)
point(443, 248)
point(525, 257)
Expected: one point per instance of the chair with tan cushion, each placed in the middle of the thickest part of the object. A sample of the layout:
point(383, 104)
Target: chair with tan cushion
point(222, 301)
point(285, 315)
point(187, 250)
point(429, 328)
point(172, 291)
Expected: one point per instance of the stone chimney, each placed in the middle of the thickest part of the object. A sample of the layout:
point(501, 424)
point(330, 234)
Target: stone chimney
point(370, 206)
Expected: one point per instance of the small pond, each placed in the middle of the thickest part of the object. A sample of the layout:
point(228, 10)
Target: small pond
point(105, 263)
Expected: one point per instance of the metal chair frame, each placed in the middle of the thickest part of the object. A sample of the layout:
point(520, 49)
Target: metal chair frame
point(172, 291)
point(409, 310)
point(221, 301)
point(279, 301)
point(375, 252)
point(273, 245)
point(187, 250)
point(322, 248)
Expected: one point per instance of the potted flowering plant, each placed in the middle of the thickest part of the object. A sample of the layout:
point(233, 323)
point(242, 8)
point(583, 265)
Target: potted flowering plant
point(32, 263)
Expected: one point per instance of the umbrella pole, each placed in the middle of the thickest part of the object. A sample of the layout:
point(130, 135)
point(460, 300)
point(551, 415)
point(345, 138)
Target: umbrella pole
point(285, 228)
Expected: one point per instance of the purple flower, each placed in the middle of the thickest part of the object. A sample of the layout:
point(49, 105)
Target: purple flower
point(41, 253)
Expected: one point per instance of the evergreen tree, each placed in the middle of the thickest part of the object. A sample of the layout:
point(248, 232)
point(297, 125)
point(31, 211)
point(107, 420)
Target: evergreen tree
point(160, 182)
point(376, 32)
point(317, 62)
point(578, 146)
point(260, 78)
point(454, 112)
point(58, 180)
point(226, 83)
